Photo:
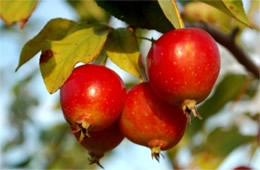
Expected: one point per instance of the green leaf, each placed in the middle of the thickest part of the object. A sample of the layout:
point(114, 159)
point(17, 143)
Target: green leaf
point(170, 10)
point(17, 11)
point(59, 57)
point(233, 8)
point(227, 90)
point(55, 29)
point(122, 48)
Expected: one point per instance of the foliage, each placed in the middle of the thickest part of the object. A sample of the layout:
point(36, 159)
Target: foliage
point(64, 43)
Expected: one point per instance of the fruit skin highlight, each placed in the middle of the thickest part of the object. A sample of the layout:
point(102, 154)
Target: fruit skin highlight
point(101, 142)
point(183, 66)
point(92, 98)
point(146, 120)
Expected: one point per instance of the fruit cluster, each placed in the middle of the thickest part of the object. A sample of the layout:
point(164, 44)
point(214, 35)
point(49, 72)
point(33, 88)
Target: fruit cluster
point(182, 67)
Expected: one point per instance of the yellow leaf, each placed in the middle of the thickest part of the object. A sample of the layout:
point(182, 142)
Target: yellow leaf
point(233, 8)
point(59, 57)
point(12, 11)
point(55, 29)
point(170, 10)
point(122, 49)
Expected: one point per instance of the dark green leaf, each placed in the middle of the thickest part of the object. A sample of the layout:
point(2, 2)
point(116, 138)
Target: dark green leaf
point(142, 14)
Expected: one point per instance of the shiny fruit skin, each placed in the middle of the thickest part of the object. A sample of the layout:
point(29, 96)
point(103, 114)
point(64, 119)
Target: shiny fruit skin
point(146, 120)
point(92, 97)
point(183, 64)
point(101, 142)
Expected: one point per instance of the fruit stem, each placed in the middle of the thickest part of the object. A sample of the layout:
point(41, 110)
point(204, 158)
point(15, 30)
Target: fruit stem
point(156, 152)
point(189, 107)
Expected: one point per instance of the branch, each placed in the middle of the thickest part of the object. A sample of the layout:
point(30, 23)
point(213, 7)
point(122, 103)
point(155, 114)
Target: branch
point(228, 42)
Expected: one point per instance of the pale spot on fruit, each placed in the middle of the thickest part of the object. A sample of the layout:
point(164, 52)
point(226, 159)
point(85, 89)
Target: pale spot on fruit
point(174, 63)
point(161, 53)
point(171, 78)
point(92, 92)
point(178, 51)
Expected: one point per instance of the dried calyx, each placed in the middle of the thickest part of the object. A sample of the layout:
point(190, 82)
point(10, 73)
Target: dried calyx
point(189, 107)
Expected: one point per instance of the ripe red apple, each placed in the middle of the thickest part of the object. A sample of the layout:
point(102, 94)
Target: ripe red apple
point(101, 142)
point(146, 120)
point(183, 66)
point(92, 98)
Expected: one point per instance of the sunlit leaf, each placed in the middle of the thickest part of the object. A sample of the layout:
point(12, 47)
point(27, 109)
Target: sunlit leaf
point(210, 15)
point(59, 57)
point(17, 11)
point(233, 8)
point(55, 29)
point(122, 49)
point(170, 10)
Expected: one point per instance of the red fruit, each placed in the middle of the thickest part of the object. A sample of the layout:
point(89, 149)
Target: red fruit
point(183, 66)
point(92, 98)
point(101, 142)
point(148, 121)
point(242, 168)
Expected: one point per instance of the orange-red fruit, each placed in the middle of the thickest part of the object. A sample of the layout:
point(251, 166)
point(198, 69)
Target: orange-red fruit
point(146, 120)
point(92, 98)
point(183, 66)
point(101, 142)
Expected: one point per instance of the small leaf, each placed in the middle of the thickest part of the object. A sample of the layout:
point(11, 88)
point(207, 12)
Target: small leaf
point(13, 11)
point(122, 49)
point(59, 57)
point(55, 29)
point(170, 10)
point(233, 8)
